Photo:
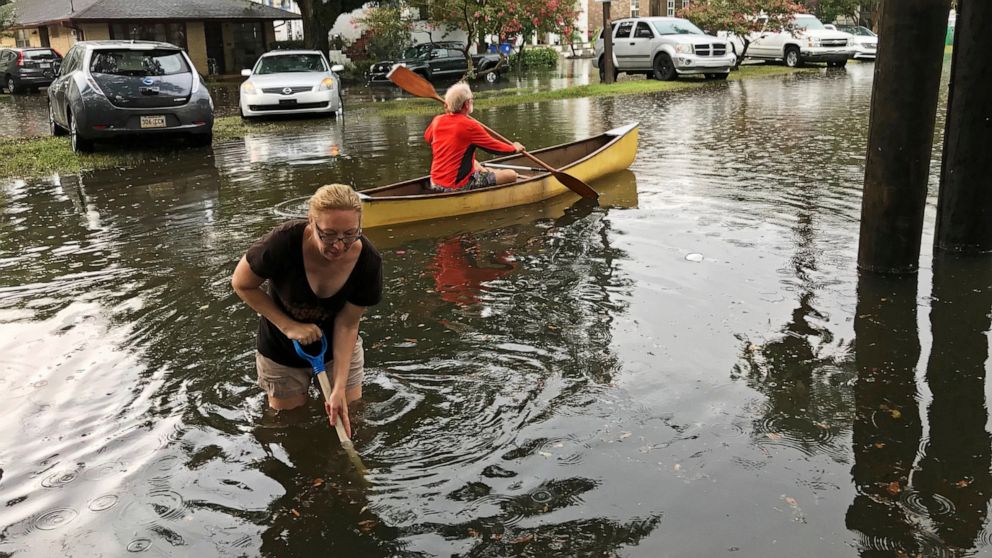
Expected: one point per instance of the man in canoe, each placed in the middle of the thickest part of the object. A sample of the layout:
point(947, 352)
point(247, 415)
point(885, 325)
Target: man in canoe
point(322, 274)
point(453, 137)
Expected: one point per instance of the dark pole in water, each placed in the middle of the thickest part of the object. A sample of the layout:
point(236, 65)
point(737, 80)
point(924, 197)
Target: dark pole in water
point(964, 209)
point(607, 44)
point(900, 136)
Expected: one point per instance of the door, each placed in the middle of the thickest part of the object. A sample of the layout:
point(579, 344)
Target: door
point(214, 35)
point(5, 58)
point(249, 44)
point(641, 46)
point(623, 47)
point(761, 42)
point(59, 88)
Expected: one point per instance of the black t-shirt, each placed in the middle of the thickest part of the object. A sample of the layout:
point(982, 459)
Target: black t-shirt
point(278, 257)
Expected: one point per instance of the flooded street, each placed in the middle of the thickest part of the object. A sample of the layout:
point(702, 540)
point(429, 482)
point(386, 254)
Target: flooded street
point(691, 369)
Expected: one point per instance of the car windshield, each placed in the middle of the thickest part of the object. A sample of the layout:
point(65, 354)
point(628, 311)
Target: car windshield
point(40, 55)
point(126, 62)
point(290, 63)
point(806, 23)
point(861, 31)
point(676, 27)
point(417, 52)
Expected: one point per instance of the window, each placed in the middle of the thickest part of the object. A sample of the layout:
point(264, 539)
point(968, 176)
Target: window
point(290, 63)
point(22, 37)
point(635, 8)
point(173, 33)
point(123, 62)
point(623, 30)
point(676, 27)
point(643, 31)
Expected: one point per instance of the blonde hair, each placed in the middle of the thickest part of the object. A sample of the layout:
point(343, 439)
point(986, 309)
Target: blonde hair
point(456, 96)
point(334, 196)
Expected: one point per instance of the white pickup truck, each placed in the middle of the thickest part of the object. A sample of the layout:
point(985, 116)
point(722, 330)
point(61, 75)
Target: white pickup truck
point(805, 40)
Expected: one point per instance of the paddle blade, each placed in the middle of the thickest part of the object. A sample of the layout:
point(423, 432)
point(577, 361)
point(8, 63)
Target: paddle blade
point(576, 185)
point(412, 83)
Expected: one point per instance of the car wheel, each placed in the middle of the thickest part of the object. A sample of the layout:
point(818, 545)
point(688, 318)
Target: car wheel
point(11, 86)
point(664, 68)
point(720, 77)
point(792, 57)
point(53, 127)
point(838, 64)
point(602, 72)
point(79, 145)
point(491, 77)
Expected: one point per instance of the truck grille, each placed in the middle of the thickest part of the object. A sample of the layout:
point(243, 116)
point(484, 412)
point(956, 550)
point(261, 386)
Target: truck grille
point(297, 106)
point(833, 42)
point(715, 49)
point(279, 90)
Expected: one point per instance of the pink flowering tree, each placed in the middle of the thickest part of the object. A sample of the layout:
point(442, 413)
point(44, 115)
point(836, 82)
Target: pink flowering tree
point(740, 17)
point(466, 15)
point(510, 19)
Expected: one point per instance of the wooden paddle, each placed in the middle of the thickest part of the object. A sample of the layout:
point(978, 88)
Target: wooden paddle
point(420, 87)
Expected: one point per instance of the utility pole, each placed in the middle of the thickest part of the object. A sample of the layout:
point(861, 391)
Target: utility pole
point(964, 208)
point(900, 134)
point(607, 43)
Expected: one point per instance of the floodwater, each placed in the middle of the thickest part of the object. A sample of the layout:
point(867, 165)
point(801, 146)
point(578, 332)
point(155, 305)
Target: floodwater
point(692, 369)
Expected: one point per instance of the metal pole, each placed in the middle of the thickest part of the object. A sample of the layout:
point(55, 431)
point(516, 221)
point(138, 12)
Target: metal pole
point(900, 136)
point(607, 44)
point(964, 208)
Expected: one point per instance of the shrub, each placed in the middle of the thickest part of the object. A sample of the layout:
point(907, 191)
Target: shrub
point(535, 58)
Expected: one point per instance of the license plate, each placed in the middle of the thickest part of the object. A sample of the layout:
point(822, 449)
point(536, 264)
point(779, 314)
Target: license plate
point(45, 65)
point(287, 101)
point(153, 121)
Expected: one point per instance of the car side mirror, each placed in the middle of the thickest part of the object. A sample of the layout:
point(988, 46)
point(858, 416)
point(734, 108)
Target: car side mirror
point(57, 67)
point(246, 73)
point(337, 68)
point(435, 54)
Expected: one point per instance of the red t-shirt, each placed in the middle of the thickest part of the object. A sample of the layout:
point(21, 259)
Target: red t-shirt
point(453, 139)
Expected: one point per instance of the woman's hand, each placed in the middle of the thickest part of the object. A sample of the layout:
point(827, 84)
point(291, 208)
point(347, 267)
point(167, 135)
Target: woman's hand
point(336, 407)
point(304, 333)
point(519, 146)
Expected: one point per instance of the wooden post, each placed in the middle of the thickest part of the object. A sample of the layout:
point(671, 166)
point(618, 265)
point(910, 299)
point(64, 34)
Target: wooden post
point(607, 43)
point(964, 208)
point(900, 136)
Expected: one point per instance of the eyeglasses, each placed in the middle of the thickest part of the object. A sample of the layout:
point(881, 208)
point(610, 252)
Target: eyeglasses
point(330, 237)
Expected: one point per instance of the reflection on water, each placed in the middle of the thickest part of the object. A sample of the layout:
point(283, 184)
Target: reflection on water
point(692, 367)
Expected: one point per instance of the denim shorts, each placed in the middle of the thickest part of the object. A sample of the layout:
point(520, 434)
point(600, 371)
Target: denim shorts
point(479, 179)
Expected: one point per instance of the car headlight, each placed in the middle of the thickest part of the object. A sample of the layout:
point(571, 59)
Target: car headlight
point(401, 64)
point(372, 67)
point(812, 41)
point(326, 84)
point(248, 88)
point(683, 49)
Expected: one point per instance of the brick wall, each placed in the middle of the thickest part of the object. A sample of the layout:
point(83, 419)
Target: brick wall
point(621, 9)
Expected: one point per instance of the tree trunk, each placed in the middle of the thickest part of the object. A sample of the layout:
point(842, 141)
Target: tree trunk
point(740, 57)
point(520, 56)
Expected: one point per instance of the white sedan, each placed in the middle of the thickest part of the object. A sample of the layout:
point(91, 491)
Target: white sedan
point(291, 82)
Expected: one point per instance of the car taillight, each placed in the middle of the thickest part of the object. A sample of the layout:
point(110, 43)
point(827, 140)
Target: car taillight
point(20, 58)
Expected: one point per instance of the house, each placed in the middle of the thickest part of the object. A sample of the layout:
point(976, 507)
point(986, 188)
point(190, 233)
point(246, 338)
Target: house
point(290, 30)
point(631, 8)
point(220, 36)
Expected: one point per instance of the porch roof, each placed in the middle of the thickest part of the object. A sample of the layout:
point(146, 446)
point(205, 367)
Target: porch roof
point(39, 12)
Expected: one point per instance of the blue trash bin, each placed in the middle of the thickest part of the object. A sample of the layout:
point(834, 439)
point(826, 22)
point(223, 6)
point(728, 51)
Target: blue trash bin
point(492, 49)
point(505, 48)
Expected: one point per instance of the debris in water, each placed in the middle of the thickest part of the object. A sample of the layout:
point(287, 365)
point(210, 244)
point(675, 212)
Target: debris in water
point(694, 257)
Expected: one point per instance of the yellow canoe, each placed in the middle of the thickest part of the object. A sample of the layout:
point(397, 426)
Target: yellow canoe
point(587, 160)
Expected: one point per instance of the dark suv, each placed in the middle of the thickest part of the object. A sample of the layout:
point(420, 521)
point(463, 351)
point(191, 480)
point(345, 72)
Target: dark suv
point(439, 60)
point(24, 69)
point(108, 89)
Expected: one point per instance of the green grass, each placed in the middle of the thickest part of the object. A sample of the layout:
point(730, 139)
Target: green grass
point(40, 156)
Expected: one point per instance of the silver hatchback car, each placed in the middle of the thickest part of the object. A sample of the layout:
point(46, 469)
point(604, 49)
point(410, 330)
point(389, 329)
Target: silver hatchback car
point(106, 89)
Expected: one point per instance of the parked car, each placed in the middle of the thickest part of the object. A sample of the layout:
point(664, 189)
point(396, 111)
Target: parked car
point(807, 40)
point(107, 89)
point(665, 48)
point(864, 42)
point(25, 69)
point(291, 82)
point(439, 60)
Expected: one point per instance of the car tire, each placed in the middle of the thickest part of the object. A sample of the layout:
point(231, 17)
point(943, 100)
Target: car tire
point(79, 145)
point(53, 126)
point(11, 85)
point(718, 77)
point(491, 77)
point(838, 64)
point(602, 72)
point(792, 57)
point(664, 68)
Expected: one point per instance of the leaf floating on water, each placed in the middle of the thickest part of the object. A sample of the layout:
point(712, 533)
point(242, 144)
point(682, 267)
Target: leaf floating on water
point(473, 533)
point(318, 482)
point(625, 435)
point(963, 483)
point(775, 436)
point(294, 512)
point(791, 501)
point(523, 539)
point(893, 488)
point(879, 445)
point(545, 454)
point(367, 525)
point(559, 445)
point(895, 413)
point(822, 425)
